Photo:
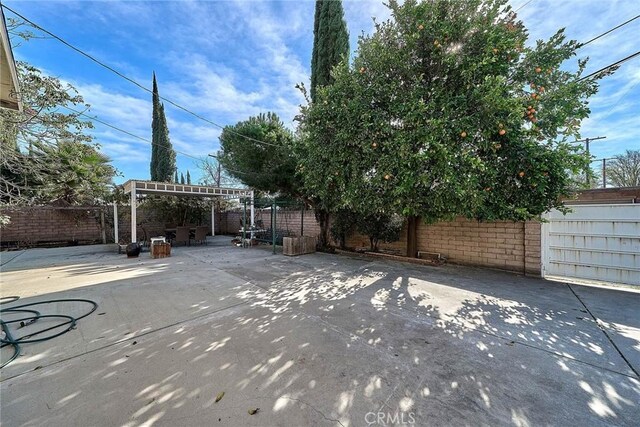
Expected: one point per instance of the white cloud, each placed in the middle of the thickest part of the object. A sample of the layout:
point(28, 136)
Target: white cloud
point(229, 60)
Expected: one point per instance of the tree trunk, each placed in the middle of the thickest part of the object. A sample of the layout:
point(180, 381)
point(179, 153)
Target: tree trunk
point(412, 237)
point(323, 218)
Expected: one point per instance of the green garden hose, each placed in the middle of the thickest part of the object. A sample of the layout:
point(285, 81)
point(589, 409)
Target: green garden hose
point(33, 316)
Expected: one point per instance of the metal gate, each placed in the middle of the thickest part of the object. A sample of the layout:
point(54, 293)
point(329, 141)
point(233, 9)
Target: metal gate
point(596, 242)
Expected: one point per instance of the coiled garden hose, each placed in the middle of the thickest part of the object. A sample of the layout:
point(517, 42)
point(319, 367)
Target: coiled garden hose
point(33, 316)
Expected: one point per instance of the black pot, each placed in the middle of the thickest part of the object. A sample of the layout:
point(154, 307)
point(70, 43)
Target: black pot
point(133, 250)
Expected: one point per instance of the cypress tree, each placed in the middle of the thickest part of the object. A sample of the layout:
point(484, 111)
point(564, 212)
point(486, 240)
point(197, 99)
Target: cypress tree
point(163, 157)
point(175, 178)
point(330, 46)
point(181, 178)
point(188, 177)
point(330, 42)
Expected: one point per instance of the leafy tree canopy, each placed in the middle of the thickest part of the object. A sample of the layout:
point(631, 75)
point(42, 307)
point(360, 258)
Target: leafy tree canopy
point(268, 165)
point(380, 227)
point(45, 153)
point(445, 111)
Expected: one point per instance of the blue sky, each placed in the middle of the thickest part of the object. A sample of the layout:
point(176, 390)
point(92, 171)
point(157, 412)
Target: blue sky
point(227, 60)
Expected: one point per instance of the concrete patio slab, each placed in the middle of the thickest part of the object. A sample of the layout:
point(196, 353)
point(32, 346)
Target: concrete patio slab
point(316, 340)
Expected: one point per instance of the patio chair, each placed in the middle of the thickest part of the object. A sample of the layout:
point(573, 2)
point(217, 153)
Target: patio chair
point(182, 235)
point(201, 234)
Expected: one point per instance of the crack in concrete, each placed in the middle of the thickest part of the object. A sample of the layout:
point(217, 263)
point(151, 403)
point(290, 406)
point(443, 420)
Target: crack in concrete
point(314, 408)
point(604, 331)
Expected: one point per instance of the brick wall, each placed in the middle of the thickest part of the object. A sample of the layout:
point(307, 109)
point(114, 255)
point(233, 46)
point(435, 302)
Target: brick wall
point(503, 244)
point(31, 226)
point(286, 219)
point(608, 195)
point(513, 246)
point(44, 224)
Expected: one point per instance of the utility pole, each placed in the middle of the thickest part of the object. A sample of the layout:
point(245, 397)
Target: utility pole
point(604, 169)
point(587, 141)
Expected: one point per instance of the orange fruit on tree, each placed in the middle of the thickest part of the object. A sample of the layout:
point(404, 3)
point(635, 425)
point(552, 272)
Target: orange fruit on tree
point(502, 132)
point(463, 134)
point(521, 174)
point(538, 70)
point(361, 70)
point(387, 176)
point(421, 27)
point(374, 145)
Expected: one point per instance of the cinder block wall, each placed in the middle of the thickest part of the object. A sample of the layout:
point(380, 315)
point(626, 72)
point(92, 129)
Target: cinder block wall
point(29, 226)
point(285, 220)
point(513, 246)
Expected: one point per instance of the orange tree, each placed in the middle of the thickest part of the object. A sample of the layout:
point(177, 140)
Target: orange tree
point(446, 111)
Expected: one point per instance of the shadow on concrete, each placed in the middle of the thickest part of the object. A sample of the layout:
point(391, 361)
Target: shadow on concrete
point(331, 340)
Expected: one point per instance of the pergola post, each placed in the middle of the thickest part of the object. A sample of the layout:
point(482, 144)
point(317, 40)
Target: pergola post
point(244, 223)
point(213, 217)
point(116, 237)
point(273, 225)
point(253, 214)
point(134, 235)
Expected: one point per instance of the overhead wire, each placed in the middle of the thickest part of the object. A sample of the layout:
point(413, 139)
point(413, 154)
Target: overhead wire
point(114, 127)
point(521, 7)
point(608, 31)
point(603, 69)
point(120, 74)
point(129, 79)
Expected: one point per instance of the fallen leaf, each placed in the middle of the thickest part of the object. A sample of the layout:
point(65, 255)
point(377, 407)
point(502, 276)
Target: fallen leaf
point(253, 411)
point(219, 396)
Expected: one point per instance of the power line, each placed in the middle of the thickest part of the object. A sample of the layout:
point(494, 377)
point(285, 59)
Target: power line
point(126, 131)
point(523, 6)
point(633, 55)
point(608, 31)
point(152, 143)
point(118, 73)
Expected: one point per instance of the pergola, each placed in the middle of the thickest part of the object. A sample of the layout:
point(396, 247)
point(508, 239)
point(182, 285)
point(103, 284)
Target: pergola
point(135, 187)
